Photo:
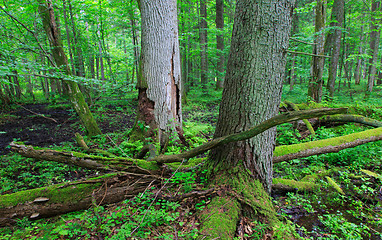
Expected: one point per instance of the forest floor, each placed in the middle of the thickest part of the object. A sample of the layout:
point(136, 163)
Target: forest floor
point(324, 214)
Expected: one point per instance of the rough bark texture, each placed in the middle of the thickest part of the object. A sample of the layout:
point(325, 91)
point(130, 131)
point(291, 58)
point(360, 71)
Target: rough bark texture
point(374, 46)
point(76, 98)
point(220, 43)
point(252, 88)
point(333, 42)
point(159, 80)
point(203, 42)
point(315, 85)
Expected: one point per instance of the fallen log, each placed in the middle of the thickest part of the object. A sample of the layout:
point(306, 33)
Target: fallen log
point(346, 118)
point(68, 197)
point(301, 150)
point(86, 160)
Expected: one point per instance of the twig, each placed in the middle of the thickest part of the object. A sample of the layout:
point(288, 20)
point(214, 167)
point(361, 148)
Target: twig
point(38, 114)
point(308, 54)
point(301, 41)
point(156, 196)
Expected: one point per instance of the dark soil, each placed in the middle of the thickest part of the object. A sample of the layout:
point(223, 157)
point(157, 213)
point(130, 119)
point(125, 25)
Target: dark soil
point(34, 127)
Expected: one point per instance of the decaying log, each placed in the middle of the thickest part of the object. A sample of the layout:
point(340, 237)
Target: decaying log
point(301, 150)
point(307, 123)
point(346, 118)
point(68, 197)
point(87, 161)
point(272, 122)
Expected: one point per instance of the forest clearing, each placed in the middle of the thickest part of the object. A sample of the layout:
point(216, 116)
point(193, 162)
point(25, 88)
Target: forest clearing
point(190, 119)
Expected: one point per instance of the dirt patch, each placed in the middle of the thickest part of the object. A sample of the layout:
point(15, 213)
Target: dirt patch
point(38, 130)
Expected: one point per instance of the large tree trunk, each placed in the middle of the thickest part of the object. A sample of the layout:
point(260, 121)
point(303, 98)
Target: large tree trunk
point(333, 43)
point(76, 98)
point(252, 92)
point(159, 82)
point(316, 81)
point(220, 43)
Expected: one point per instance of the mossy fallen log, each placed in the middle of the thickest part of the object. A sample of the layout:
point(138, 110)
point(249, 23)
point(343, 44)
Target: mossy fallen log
point(301, 150)
point(346, 118)
point(86, 160)
point(307, 123)
point(68, 197)
point(289, 185)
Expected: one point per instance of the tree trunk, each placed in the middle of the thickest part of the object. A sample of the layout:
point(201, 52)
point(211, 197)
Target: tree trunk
point(358, 69)
point(79, 61)
point(374, 46)
point(292, 74)
point(159, 82)
point(316, 81)
point(76, 98)
point(203, 42)
point(252, 92)
point(333, 43)
point(220, 42)
point(68, 37)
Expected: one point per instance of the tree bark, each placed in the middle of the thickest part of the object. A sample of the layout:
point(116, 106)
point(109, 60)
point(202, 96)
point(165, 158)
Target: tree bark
point(252, 92)
point(76, 98)
point(159, 82)
point(220, 43)
point(316, 81)
point(333, 42)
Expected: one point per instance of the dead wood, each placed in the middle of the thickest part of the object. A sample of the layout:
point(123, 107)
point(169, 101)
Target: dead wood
point(346, 118)
point(289, 152)
point(63, 198)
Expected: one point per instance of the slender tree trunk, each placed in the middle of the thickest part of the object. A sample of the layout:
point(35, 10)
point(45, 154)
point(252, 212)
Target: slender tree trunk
point(203, 42)
point(292, 74)
point(76, 98)
point(16, 84)
point(79, 60)
point(159, 82)
point(358, 69)
point(101, 65)
point(68, 37)
point(333, 43)
point(220, 42)
point(135, 44)
point(374, 45)
point(316, 81)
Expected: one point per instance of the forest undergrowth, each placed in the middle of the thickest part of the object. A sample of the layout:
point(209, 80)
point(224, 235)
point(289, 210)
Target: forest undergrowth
point(346, 205)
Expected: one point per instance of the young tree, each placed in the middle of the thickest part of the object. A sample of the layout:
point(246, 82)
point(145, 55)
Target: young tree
point(220, 42)
point(333, 42)
point(76, 98)
point(252, 93)
point(159, 82)
point(203, 42)
point(315, 84)
point(374, 45)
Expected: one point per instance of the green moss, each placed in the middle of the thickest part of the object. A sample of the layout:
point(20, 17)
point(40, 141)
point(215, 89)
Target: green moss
point(219, 218)
point(289, 149)
point(191, 163)
point(56, 193)
point(371, 174)
point(335, 185)
point(315, 176)
point(299, 185)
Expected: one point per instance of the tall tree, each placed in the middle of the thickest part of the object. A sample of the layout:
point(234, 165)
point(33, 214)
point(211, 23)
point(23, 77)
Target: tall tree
point(220, 42)
point(374, 45)
point(252, 93)
point(159, 82)
point(333, 42)
point(76, 98)
point(316, 81)
point(203, 42)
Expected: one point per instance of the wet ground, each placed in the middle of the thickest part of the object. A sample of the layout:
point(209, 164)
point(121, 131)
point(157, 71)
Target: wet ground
point(39, 125)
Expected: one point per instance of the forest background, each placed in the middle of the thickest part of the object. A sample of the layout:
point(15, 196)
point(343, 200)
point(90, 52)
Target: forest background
point(333, 60)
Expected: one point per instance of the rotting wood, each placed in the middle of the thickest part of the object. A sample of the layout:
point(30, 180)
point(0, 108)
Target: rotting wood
point(301, 150)
point(307, 123)
point(69, 197)
point(346, 118)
